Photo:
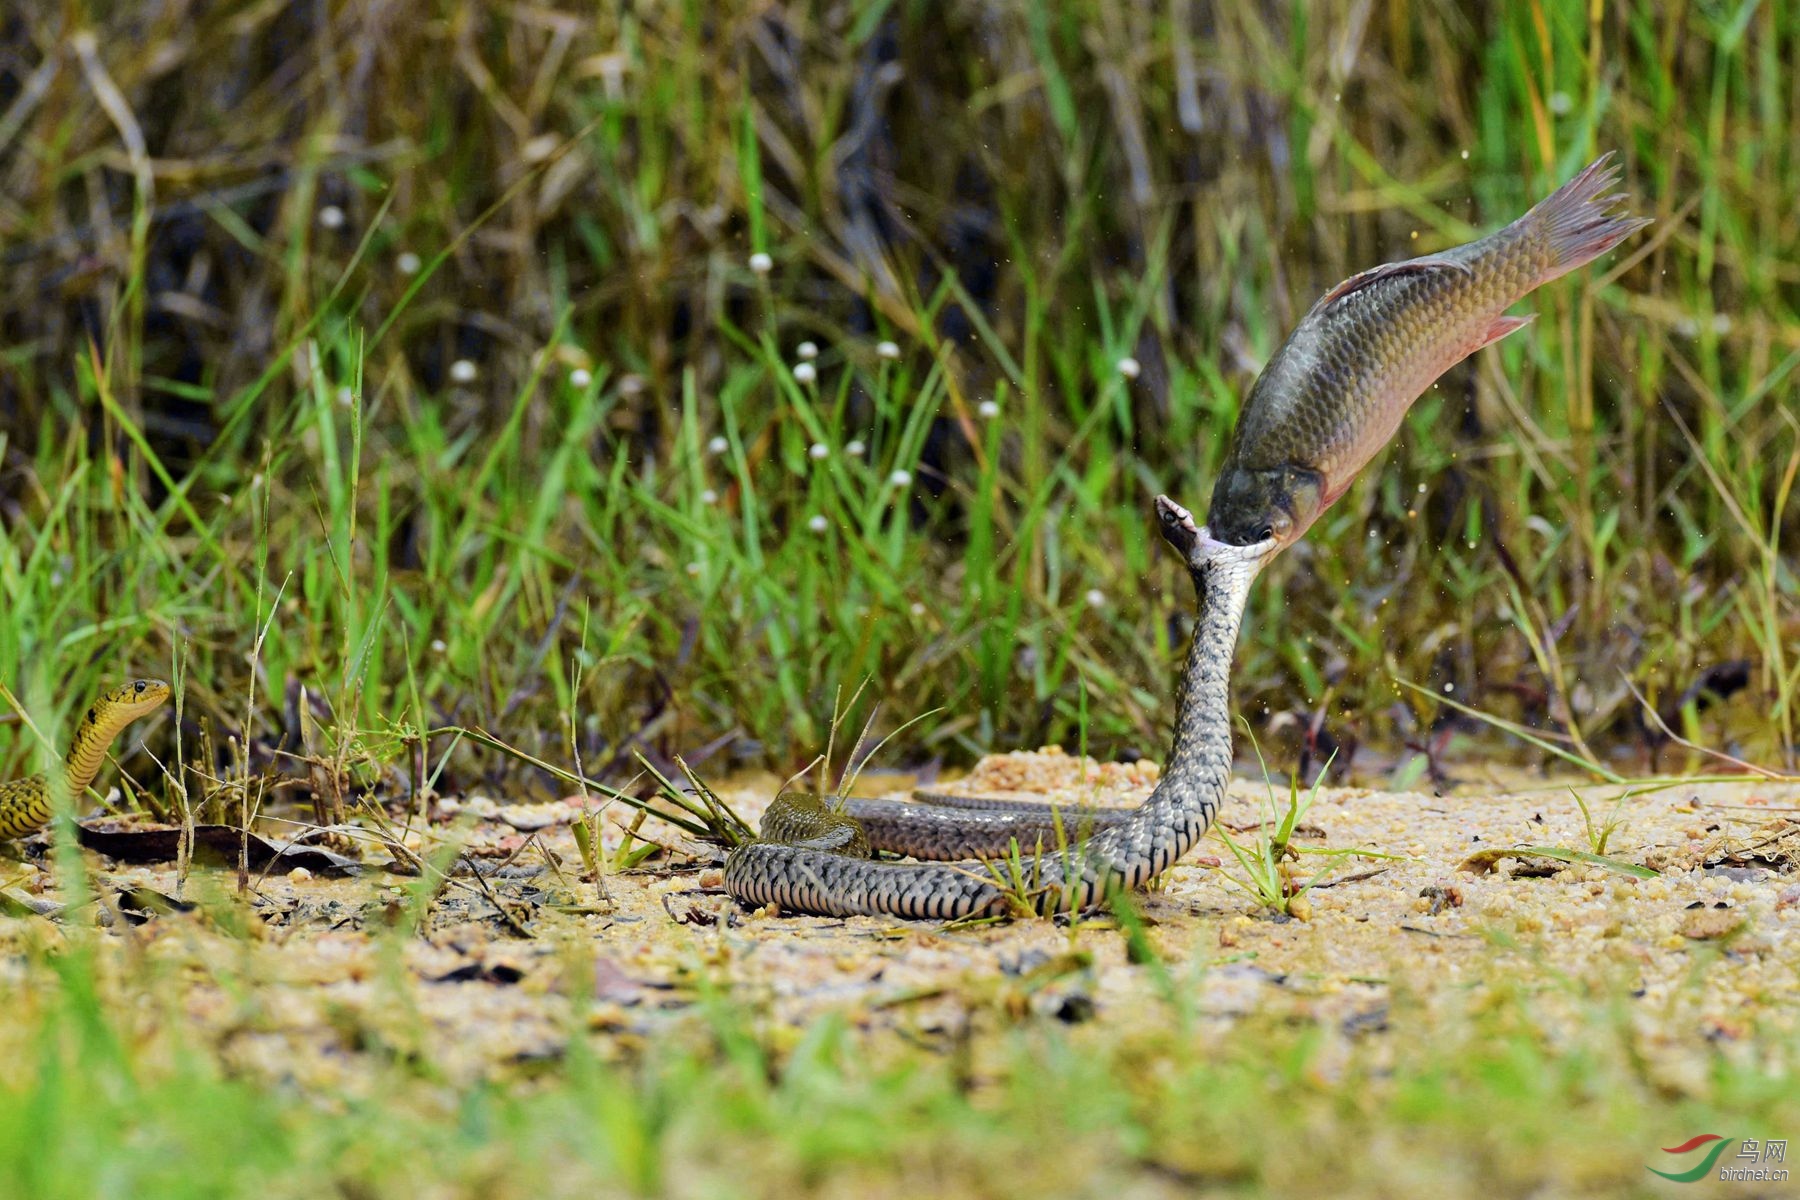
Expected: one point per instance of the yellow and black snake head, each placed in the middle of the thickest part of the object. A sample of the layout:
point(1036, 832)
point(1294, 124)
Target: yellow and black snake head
point(129, 701)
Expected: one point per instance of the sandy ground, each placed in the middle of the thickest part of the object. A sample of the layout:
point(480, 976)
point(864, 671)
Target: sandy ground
point(1702, 955)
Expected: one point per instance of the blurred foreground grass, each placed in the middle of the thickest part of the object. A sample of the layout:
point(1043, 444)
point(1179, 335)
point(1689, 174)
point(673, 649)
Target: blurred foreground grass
point(111, 1093)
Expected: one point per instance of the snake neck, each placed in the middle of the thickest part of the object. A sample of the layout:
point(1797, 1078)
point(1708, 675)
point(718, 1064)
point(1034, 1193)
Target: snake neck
point(1193, 781)
point(1203, 695)
point(87, 749)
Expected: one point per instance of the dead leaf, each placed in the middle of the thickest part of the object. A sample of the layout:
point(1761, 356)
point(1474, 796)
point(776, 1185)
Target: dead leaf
point(613, 985)
point(216, 844)
point(477, 972)
point(1483, 861)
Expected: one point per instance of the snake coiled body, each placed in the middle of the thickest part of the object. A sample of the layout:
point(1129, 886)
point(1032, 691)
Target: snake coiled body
point(26, 805)
point(944, 828)
point(800, 873)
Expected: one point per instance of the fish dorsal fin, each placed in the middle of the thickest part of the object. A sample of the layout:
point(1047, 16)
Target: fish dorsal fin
point(1431, 262)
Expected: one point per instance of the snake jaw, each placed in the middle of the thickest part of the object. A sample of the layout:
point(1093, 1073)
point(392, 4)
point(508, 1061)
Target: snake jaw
point(1179, 529)
point(1212, 550)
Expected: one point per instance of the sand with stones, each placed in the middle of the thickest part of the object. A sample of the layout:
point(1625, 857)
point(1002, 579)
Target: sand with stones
point(1701, 954)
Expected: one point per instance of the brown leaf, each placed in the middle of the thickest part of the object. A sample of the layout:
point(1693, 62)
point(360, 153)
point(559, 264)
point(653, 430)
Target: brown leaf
point(217, 844)
point(613, 985)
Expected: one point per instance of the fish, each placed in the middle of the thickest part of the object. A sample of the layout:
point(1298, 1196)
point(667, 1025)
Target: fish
point(1335, 392)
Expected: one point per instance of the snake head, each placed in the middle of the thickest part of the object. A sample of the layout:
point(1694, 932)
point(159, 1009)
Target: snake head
point(1198, 548)
point(137, 697)
point(1178, 528)
point(810, 821)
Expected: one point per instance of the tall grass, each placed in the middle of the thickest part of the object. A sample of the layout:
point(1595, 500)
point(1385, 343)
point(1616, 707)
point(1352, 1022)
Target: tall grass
point(247, 250)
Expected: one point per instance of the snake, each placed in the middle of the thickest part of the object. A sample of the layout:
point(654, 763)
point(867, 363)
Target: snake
point(26, 805)
point(813, 855)
point(1321, 409)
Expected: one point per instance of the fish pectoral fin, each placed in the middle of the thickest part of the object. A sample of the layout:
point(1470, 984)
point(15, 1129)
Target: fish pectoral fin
point(1412, 266)
point(1500, 328)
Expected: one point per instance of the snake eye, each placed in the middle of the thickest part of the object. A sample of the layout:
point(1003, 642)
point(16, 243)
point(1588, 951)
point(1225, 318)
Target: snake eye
point(139, 685)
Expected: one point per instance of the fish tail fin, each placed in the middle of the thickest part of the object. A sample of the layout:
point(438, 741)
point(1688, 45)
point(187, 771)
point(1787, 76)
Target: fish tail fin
point(1577, 223)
